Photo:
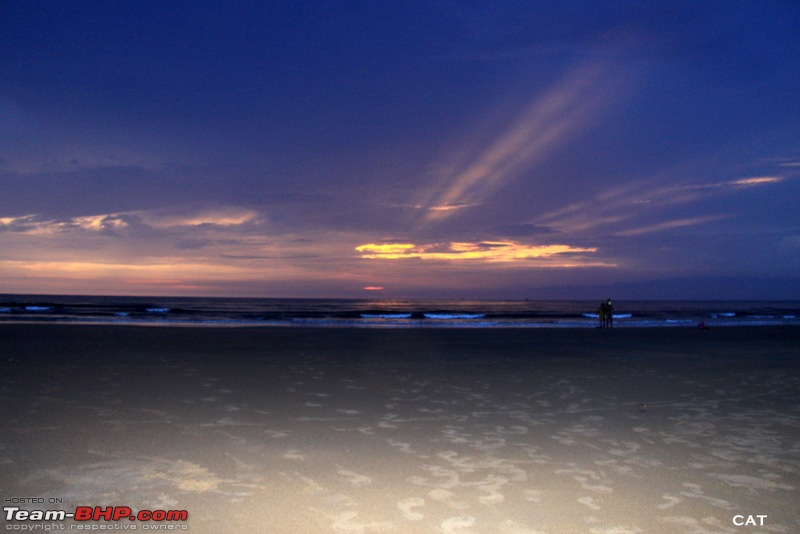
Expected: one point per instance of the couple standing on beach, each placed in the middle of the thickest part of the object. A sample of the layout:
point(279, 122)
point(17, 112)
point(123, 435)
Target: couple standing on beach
point(605, 314)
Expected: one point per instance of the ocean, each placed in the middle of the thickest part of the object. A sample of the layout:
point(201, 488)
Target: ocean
point(388, 313)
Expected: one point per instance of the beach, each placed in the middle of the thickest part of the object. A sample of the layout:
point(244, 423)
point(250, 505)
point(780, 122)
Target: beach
point(361, 430)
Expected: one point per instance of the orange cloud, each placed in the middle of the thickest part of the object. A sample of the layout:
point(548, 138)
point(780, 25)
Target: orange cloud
point(758, 180)
point(484, 251)
point(390, 248)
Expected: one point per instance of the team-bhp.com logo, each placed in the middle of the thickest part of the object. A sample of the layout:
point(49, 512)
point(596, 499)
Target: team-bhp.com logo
point(94, 513)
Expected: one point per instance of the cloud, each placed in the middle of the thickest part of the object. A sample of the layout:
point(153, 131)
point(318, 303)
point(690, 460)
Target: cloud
point(386, 251)
point(25, 223)
point(757, 180)
point(569, 106)
point(448, 207)
point(228, 216)
point(623, 206)
point(485, 252)
point(188, 217)
point(669, 225)
point(31, 224)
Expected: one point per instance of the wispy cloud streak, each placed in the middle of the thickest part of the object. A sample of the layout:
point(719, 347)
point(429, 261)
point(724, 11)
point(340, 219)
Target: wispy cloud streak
point(553, 118)
point(622, 206)
point(669, 225)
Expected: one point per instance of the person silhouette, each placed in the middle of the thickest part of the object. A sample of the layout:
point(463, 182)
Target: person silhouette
point(609, 313)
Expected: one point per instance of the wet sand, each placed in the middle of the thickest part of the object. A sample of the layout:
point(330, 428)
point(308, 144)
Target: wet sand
point(419, 430)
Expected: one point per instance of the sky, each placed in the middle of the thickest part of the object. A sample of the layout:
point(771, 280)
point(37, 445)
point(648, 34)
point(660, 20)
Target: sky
point(401, 149)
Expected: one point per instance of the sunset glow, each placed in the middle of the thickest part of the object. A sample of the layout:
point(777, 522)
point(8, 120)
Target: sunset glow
point(430, 149)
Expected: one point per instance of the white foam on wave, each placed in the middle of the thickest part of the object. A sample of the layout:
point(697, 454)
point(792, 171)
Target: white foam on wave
point(386, 315)
point(454, 315)
point(38, 308)
point(157, 310)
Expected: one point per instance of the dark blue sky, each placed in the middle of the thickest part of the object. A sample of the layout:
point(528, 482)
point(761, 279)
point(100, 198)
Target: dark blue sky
point(476, 149)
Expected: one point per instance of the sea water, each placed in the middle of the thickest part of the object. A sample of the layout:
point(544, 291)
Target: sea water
point(389, 313)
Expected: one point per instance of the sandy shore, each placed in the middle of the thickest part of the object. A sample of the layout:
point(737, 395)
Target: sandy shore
point(360, 431)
